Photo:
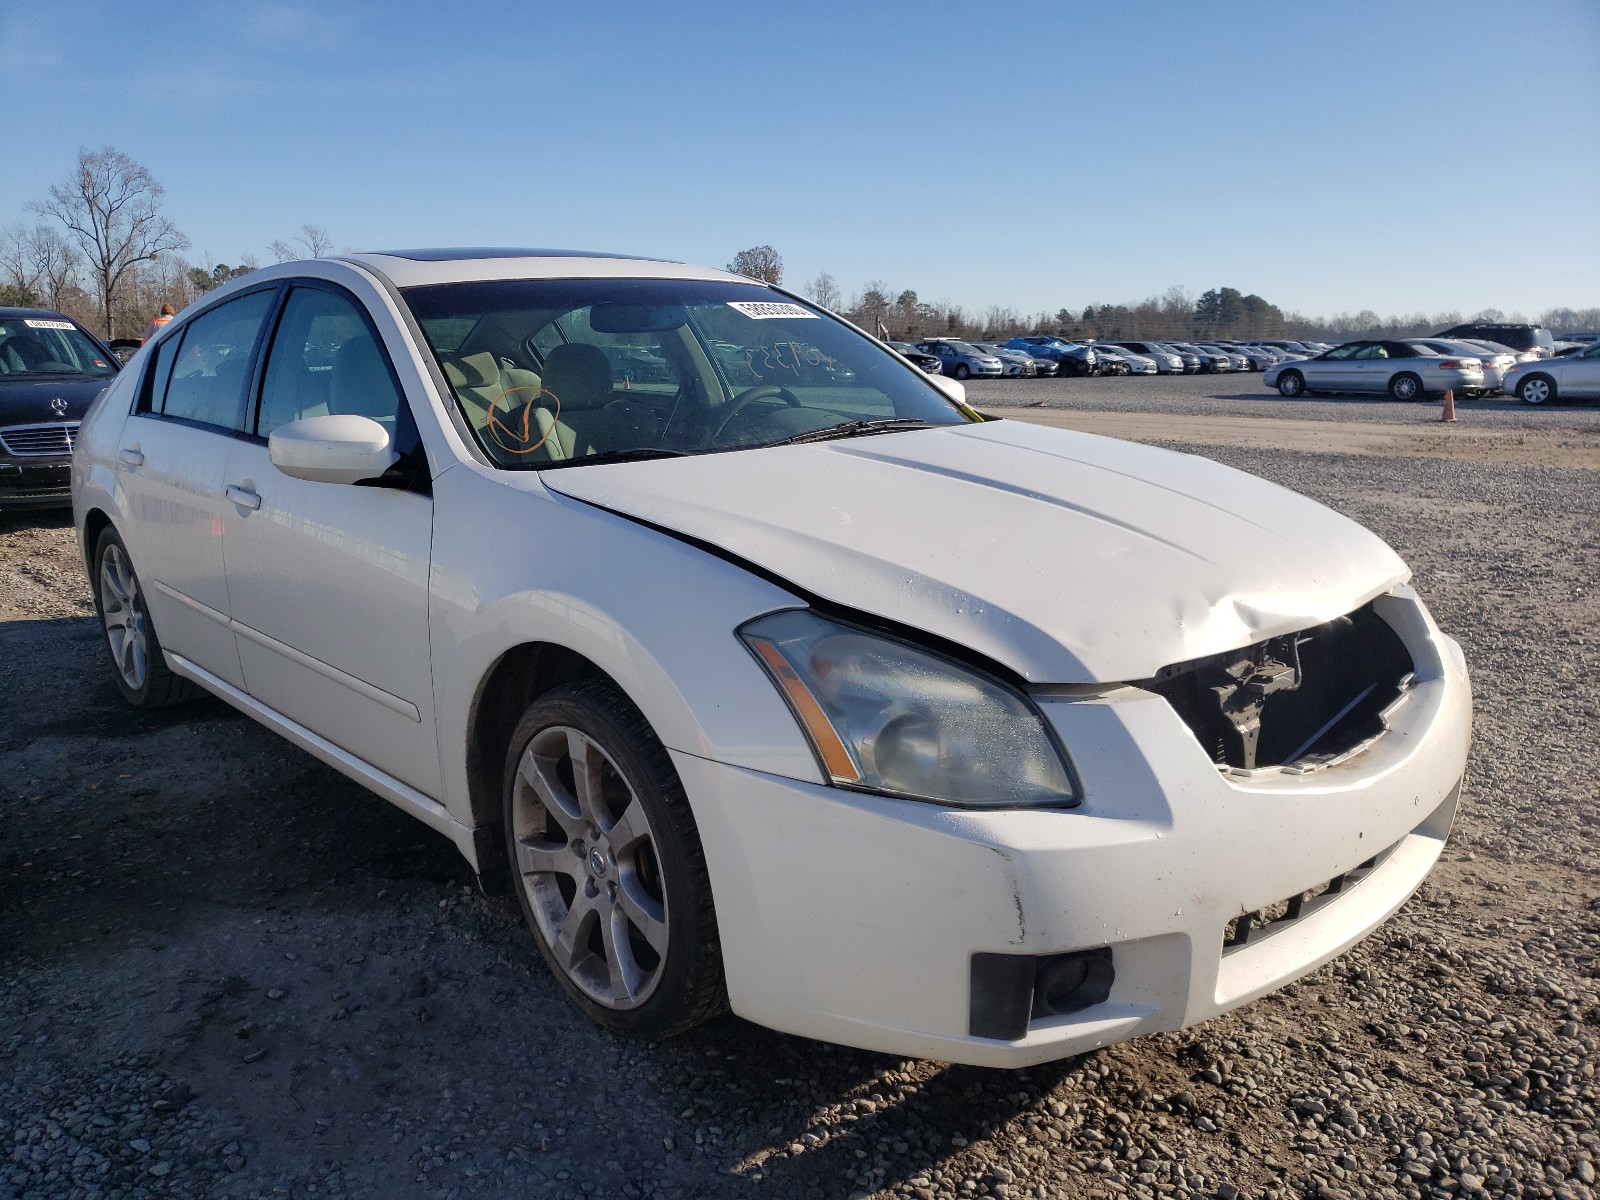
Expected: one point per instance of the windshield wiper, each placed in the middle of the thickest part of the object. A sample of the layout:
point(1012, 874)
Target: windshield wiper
point(614, 456)
point(849, 429)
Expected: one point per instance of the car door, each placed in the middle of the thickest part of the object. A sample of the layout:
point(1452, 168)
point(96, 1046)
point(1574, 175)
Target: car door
point(328, 581)
point(1580, 376)
point(1369, 369)
point(1334, 371)
point(171, 461)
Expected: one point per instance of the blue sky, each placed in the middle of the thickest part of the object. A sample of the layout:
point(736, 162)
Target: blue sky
point(1395, 156)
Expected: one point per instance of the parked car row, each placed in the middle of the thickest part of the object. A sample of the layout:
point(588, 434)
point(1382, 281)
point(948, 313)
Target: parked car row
point(1414, 368)
point(1476, 359)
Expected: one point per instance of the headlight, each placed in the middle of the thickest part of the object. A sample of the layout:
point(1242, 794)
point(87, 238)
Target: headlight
point(887, 716)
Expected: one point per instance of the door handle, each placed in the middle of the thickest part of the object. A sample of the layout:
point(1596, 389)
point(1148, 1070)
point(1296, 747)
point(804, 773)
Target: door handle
point(131, 456)
point(242, 496)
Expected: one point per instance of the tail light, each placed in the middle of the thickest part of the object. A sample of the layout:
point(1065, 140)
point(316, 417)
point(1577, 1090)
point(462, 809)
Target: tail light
point(1449, 364)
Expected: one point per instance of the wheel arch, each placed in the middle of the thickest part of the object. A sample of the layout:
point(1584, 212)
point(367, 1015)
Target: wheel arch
point(514, 681)
point(95, 522)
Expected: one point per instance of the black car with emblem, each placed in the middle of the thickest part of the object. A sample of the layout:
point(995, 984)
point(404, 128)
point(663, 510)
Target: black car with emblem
point(51, 369)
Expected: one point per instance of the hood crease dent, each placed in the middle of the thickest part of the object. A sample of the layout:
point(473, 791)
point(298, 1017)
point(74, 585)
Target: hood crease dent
point(1066, 557)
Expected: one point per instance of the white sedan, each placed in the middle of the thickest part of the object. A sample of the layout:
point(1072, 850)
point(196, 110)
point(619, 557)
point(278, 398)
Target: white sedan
point(768, 673)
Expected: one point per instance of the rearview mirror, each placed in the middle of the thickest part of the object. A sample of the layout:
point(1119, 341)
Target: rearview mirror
point(636, 318)
point(340, 448)
point(950, 387)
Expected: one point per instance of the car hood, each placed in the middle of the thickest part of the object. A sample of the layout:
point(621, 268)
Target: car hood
point(1067, 557)
point(28, 401)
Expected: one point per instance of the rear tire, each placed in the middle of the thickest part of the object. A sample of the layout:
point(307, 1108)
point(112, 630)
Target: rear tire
point(1405, 387)
point(607, 864)
point(137, 662)
point(1291, 384)
point(1537, 389)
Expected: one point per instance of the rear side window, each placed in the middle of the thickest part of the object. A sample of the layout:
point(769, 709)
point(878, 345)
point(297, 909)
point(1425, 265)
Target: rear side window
point(211, 369)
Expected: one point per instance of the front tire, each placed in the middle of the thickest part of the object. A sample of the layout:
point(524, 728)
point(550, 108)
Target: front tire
point(1291, 384)
point(608, 864)
point(1405, 387)
point(961, 371)
point(137, 662)
point(1537, 389)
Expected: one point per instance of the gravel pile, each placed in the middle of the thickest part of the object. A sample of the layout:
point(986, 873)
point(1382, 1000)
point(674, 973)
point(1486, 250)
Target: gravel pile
point(227, 972)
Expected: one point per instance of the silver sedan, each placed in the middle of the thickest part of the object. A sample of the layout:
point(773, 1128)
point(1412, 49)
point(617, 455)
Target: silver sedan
point(1495, 366)
point(1400, 369)
point(1574, 376)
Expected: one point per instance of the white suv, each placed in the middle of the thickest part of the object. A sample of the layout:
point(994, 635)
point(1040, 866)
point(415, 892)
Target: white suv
point(769, 673)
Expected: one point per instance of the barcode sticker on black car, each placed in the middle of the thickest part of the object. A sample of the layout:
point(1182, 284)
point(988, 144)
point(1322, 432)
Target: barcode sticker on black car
point(33, 323)
point(766, 310)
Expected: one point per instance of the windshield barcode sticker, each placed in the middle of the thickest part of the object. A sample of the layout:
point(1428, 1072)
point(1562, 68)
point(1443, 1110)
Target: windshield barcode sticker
point(766, 310)
point(33, 324)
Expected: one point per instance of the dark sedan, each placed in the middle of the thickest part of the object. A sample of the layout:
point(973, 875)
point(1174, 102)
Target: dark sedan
point(51, 368)
point(920, 359)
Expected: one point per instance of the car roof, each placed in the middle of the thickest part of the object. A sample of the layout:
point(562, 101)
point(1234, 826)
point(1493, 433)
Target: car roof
point(6, 311)
point(461, 264)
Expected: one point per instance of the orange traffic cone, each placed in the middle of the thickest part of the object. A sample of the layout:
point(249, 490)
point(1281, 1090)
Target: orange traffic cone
point(1449, 413)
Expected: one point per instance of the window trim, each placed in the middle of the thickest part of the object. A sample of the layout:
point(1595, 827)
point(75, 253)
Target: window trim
point(411, 452)
point(177, 337)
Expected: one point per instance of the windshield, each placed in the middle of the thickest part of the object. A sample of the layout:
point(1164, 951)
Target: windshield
point(48, 346)
point(555, 372)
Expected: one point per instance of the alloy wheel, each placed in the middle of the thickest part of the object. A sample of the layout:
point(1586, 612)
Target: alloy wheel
point(127, 626)
point(586, 854)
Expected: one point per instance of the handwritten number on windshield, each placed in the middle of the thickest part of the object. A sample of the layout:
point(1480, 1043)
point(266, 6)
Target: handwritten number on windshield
point(785, 356)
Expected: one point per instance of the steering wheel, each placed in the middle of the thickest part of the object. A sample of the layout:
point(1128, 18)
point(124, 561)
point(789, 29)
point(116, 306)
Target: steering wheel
point(762, 391)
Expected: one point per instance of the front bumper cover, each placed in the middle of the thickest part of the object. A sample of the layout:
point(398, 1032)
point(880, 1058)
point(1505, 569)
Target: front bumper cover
point(855, 918)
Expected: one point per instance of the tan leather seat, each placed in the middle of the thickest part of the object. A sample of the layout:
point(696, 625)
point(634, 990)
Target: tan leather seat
point(577, 389)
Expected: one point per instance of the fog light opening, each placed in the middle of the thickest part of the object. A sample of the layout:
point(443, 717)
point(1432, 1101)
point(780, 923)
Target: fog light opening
point(1069, 983)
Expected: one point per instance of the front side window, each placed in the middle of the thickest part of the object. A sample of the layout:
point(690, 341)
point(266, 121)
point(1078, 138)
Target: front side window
point(1349, 351)
point(53, 346)
point(211, 365)
point(556, 372)
point(325, 360)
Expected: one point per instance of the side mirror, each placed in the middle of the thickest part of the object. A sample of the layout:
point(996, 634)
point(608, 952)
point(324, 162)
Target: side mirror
point(950, 387)
point(338, 448)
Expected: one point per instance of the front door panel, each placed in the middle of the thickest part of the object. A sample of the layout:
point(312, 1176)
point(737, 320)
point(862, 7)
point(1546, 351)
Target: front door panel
point(329, 584)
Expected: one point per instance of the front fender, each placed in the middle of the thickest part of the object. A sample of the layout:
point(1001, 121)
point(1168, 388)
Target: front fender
point(514, 563)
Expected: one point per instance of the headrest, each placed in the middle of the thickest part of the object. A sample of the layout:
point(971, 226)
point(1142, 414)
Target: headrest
point(477, 370)
point(579, 376)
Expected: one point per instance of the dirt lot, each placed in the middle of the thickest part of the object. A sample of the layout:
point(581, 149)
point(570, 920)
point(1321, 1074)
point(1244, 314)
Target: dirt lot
point(227, 972)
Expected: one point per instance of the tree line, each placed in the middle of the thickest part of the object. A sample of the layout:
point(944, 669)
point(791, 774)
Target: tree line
point(101, 251)
point(1175, 315)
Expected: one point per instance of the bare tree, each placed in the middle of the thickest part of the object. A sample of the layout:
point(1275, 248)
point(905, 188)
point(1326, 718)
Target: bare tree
point(38, 263)
point(112, 207)
point(758, 262)
point(823, 291)
point(311, 242)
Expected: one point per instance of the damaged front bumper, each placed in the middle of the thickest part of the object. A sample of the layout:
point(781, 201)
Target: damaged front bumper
point(877, 922)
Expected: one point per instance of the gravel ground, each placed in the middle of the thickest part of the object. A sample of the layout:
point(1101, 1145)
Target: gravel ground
point(227, 972)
